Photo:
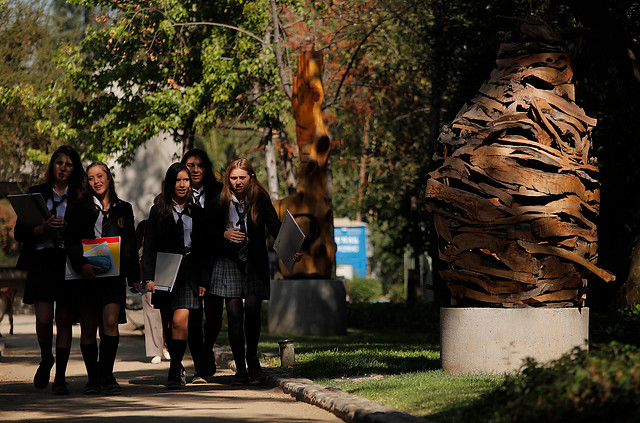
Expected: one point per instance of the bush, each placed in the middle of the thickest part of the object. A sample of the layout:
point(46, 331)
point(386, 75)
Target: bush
point(363, 290)
point(601, 385)
point(418, 317)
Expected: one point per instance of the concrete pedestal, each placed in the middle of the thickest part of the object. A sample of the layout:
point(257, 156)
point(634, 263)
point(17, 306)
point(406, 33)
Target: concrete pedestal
point(497, 340)
point(308, 307)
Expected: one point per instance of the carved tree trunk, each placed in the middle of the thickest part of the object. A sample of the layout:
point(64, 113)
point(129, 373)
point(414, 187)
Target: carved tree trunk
point(515, 197)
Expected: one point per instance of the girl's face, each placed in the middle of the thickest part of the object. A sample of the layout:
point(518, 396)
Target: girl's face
point(238, 180)
point(62, 169)
point(182, 185)
point(99, 180)
point(196, 167)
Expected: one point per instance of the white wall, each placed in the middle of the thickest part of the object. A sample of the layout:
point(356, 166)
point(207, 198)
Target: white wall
point(140, 182)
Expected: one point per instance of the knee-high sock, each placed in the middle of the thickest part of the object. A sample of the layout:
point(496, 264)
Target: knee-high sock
point(62, 358)
point(108, 351)
point(195, 338)
point(90, 357)
point(176, 350)
point(253, 306)
point(46, 355)
point(235, 316)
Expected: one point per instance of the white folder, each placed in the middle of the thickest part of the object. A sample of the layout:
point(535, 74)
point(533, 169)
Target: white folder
point(167, 266)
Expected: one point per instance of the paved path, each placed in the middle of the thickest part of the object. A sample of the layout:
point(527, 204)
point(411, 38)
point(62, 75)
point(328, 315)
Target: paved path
point(144, 397)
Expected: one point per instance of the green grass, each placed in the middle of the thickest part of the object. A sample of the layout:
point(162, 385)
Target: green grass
point(399, 370)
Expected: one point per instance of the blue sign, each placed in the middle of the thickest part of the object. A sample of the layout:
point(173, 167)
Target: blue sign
point(351, 242)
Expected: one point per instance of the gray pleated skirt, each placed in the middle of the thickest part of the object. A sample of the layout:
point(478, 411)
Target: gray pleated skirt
point(229, 280)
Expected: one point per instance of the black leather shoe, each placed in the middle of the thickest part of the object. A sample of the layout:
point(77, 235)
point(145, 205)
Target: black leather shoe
point(41, 379)
point(60, 387)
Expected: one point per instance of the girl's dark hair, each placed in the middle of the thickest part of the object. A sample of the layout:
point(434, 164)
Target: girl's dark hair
point(252, 193)
point(168, 186)
point(112, 189)
point(209, 177)
point(77, 179)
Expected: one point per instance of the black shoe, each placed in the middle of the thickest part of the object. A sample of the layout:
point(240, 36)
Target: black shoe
point(111, 387)
point(175, 382)
point(240, 379)
point(41, 379)
point(60, 387)
point(199, 380)
point(255, 375)
point(91, 389)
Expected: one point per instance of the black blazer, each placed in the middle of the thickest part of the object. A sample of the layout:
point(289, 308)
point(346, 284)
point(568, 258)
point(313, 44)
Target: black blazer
point(119, 222)
point(267, 218)
point(163, 235)
point(211, 192)
point(24, 234)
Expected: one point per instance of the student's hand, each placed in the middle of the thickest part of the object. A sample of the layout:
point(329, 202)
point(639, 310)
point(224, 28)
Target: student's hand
point(234, 235)
point(49, 225)
point(150, 286)
point(297, 256)
point(87, 271)
point(201, 291)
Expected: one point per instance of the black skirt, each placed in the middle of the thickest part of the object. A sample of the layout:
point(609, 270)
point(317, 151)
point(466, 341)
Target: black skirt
point(45, 278)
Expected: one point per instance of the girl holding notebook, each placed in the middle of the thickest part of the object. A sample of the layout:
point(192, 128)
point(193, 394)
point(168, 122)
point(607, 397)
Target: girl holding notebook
point(241, 269)
point(177, 226)
point(43, 257)
point(101, 214)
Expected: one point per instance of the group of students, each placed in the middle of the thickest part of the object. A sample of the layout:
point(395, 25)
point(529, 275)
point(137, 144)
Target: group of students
point(219, 229)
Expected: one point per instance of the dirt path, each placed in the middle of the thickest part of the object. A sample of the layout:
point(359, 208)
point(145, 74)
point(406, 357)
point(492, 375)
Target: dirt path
point(144, 397)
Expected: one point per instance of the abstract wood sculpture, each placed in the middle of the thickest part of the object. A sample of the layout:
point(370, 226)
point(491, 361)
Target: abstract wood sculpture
point(515, 196)
point(310, 204)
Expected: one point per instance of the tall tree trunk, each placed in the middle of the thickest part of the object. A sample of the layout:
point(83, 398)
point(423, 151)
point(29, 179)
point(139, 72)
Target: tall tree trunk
point(286, 155)
point(441, 292)
point(363, 165)
point(270, 158)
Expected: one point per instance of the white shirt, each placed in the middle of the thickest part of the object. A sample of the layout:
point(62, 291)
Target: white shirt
point(234, 217)
point(187, 223)
point(61, 209)
point(97, 228)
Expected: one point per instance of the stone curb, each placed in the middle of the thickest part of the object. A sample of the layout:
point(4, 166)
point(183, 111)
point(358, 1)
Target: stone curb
point(348, 407)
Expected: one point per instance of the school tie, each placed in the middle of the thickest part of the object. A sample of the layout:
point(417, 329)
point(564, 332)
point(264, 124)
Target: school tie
point(180, 225)
point(196, 198)
point(57, 242)
point(243, 253)
point(55, 204)
point(105, 216)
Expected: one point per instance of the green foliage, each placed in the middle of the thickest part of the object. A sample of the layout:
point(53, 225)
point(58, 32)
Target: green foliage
point(616, 324)
point(600, 385)
point(419, 317)
point(362, 290)
point(174, 66)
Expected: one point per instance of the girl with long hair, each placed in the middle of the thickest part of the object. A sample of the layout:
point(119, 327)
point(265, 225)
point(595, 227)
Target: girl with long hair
point(101, 214)
point(241, 269)
point(177, 226)
point(204, 188)
point(43, 256)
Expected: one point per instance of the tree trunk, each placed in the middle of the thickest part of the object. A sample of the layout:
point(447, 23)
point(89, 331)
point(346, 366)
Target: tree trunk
point(270, 158)
point(363, 165)
point(286, 155)
point(632, 285)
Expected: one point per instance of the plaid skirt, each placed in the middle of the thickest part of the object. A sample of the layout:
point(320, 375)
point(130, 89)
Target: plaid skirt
point(230, 281)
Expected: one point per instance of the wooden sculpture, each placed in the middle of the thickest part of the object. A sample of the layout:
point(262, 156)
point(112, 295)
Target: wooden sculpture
point(310, 204)
point(515, 196)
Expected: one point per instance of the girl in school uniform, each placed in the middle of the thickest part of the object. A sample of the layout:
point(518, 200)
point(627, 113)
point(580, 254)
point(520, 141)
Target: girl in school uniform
point(204, 188)
point(177, 226)
point(100, 214)
point(241, 270)
point(43, 256)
